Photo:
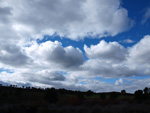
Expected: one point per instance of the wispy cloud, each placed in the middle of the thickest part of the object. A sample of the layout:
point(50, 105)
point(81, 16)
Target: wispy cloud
point(129, 41)
point(146, 16)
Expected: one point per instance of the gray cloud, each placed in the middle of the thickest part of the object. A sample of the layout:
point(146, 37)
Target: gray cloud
point(12, 55)
point(56, 76)
point(68, 57)
point(52, 79)
point(5, 12)
point(45, 77)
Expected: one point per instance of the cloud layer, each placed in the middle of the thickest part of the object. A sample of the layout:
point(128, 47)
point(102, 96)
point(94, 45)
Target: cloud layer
point(31, 19)
point(49, 64)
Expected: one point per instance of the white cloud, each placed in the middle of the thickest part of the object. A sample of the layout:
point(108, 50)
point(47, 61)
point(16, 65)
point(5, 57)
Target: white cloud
point(139, 56)
point(96, 67)
point(119, 82)
point(72, 19)
point(111, 51)
point(52, 53)
point(140, 53)
point(111, 59)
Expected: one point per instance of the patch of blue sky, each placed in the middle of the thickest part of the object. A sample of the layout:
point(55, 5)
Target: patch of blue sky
point(83, 83)
point(6, 70)
point(82, 80)
point(113, 80)
point(139, 77)
point(63, 72)
point(106, 80)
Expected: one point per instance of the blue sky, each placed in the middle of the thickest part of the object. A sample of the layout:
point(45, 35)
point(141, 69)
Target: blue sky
point(101, 45)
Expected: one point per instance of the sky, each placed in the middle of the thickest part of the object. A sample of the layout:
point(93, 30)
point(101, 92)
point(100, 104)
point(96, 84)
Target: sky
point(98, 45)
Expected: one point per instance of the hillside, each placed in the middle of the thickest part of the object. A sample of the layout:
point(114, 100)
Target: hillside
point(51, 100)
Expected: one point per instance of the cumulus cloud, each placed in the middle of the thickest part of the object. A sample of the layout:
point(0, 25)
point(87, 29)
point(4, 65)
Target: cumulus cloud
point(53, 53)
point(72, 19)
point(139, 53)
point(96, 67)
point(111, 59)
point(44, 64)
point(111, 51)
point(139, 57)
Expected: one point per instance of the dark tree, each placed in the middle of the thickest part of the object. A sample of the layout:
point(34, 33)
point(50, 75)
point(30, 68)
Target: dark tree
point(89, 93)
point(123, 92)
point(146, 93)
point(138, 95)
point(145, 90)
